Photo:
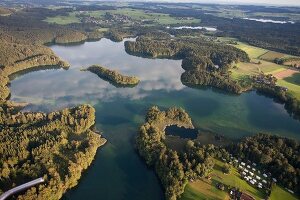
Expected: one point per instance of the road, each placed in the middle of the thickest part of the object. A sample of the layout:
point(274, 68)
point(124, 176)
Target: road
point(21, 188)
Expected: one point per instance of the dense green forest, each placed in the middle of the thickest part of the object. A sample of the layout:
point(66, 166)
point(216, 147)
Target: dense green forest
point(173, 168)
point(113, 76)
point(57, 146)
point(279, 37)
point(276, 154)
point(206, 63)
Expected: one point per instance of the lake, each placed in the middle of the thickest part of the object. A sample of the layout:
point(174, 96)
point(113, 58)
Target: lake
point(117, 172)
point(269, 21)
point(195, 28)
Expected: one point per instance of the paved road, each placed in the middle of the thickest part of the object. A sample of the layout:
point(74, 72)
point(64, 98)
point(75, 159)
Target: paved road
point(21, 187)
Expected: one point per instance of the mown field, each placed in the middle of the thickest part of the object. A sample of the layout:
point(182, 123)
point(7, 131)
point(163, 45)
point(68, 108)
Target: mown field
point(207, 190)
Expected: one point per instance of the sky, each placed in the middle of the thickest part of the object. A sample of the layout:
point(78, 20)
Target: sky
point(252, 2)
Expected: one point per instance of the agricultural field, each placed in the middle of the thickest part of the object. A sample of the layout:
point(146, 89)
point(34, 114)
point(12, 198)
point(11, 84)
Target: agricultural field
point(261, 62)
point(271, 56)
point(159, 18)
point(253, 52)
point(63, 20)
point(254, 68)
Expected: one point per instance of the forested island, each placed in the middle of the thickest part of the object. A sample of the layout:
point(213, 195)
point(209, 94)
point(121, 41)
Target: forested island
point(196, 161)
point(113, 76)
point(57, 146)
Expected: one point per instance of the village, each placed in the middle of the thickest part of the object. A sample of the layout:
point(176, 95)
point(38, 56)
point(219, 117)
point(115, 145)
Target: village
point(253, 175)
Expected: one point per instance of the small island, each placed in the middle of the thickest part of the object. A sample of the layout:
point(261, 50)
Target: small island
point(113, 76)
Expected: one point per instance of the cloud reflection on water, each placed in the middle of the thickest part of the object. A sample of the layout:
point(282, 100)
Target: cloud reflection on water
point(62, 88)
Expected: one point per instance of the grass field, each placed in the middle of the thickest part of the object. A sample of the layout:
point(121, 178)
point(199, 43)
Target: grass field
point(278, 193)
point(271, 56)
point(63, 20)
point(294, 89)
point(252, 68)
point(253, 52)
point(202, 191)
point(163, 19)
point(244, 70)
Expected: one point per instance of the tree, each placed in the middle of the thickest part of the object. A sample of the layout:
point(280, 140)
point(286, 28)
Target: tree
point(226, 168)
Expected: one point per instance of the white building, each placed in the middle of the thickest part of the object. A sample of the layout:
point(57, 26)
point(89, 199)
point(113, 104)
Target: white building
point(265, 175)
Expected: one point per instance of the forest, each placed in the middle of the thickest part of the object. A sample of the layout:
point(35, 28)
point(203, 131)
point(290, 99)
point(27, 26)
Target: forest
point(278, 37)
point(206, 63)
point(57, 146)
point(113, 76)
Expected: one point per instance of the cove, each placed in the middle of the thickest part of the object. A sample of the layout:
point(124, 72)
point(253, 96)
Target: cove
point(117, 172)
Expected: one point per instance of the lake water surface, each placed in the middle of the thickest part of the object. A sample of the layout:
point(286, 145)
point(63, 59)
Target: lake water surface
point(195, 28)
point(269, 21)
point(117, 172)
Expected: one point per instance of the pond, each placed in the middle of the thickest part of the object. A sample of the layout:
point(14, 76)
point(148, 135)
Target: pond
point(185, 133)
point(117, 172)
